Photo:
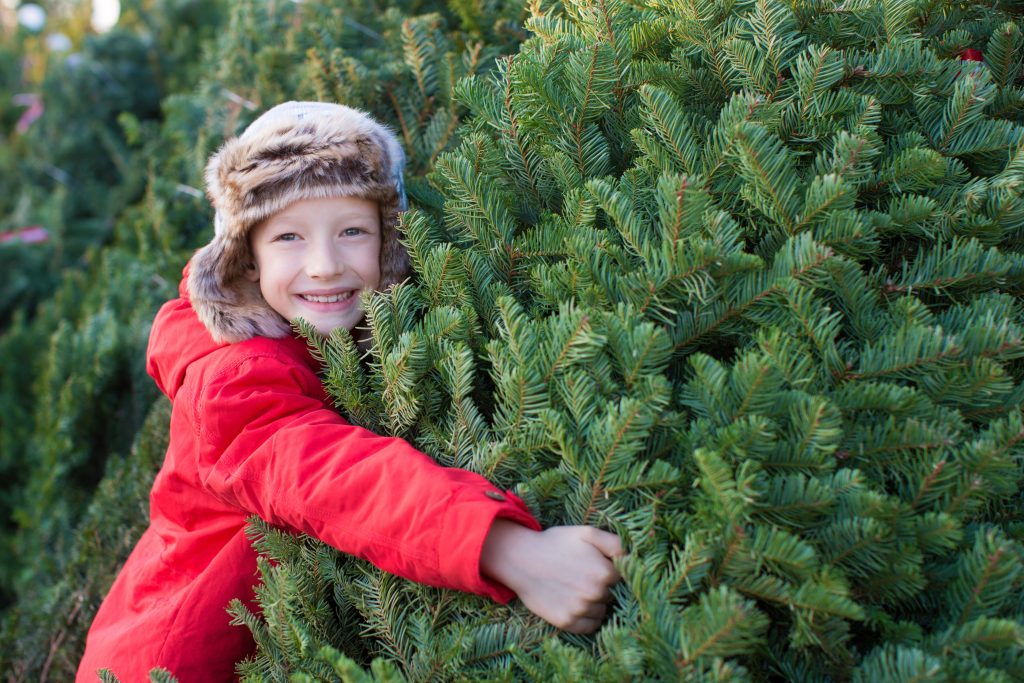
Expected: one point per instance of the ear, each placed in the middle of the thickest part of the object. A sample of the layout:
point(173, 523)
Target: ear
point(252, 272)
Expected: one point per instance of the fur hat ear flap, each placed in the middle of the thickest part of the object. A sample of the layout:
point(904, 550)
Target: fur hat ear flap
point(394, 259)
point(229, 304)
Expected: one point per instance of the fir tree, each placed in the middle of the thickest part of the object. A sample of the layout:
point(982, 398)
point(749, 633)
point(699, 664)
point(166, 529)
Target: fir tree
point(738, 281)
point(73, 389)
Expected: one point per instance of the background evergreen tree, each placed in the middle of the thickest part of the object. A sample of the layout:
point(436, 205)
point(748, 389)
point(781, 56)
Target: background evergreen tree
point(73, 389)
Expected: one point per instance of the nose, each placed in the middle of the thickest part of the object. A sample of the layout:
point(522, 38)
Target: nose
point(324, 261)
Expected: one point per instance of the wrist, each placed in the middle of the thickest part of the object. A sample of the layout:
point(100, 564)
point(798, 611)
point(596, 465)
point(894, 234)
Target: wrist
point(504, 546)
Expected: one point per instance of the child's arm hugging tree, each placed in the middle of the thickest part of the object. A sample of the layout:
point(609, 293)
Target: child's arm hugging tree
point(274, 449)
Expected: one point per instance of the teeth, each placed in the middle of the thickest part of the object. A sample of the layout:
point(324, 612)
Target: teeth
point(333, 298)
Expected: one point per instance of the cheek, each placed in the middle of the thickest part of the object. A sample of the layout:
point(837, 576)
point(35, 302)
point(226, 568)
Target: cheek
point(369, 263)
point(273, 276)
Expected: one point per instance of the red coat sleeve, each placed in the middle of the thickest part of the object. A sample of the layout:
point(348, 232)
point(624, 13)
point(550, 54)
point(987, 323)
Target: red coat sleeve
point(270, 447)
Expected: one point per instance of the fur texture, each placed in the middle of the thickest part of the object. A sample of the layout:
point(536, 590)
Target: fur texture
point(297, 150)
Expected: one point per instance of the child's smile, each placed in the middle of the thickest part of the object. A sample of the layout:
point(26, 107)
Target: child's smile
point(327, 298)
point(314, 257)
point(330, 301)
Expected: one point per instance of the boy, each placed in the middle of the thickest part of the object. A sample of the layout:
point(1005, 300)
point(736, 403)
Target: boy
point(307, 202)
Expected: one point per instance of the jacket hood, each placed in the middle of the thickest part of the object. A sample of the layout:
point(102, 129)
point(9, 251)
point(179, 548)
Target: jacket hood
point(177, 340)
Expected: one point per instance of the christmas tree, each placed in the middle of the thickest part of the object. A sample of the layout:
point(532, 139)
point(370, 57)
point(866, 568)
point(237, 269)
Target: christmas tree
point(738, 281)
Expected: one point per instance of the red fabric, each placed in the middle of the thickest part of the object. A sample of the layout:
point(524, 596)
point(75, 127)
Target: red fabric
point(251, 433)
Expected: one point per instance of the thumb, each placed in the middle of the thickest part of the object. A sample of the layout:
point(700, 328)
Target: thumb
point(609, 544)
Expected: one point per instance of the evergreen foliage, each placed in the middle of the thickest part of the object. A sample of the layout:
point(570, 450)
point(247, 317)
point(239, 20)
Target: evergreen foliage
point(738, 281)
point(84, 161)
point(73, 390)
point(73, 172)
point(89, 395)
point(45, 637)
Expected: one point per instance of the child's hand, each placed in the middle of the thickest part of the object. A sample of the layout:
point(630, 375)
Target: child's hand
point(562, 574)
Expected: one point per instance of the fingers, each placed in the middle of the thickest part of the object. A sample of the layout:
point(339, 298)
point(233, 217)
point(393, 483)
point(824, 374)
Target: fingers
point(579, 610)
point(609, 544)
point(584, 626)
point(582, 623)
point(572, 574)
point(587, 618)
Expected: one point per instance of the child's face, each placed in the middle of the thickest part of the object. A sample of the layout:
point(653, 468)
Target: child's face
point(315, 256)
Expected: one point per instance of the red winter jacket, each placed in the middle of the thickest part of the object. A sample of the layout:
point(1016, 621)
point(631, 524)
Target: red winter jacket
point(251, 433)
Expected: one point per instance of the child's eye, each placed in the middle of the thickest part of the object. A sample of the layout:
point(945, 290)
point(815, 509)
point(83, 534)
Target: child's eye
point(352, 232)
point(286, 237)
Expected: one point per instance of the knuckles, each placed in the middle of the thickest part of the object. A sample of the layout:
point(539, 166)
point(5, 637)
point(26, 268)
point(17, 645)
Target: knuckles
point(602, 576)
point(595, 594)
point(578, 621)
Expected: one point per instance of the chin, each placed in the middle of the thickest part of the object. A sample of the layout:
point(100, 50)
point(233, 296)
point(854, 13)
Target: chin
point(325, 329)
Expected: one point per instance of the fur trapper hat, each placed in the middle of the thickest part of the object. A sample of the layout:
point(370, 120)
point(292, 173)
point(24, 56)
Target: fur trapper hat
point(297, 150)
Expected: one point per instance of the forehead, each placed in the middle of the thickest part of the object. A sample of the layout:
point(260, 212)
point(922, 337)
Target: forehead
point(331, 207)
